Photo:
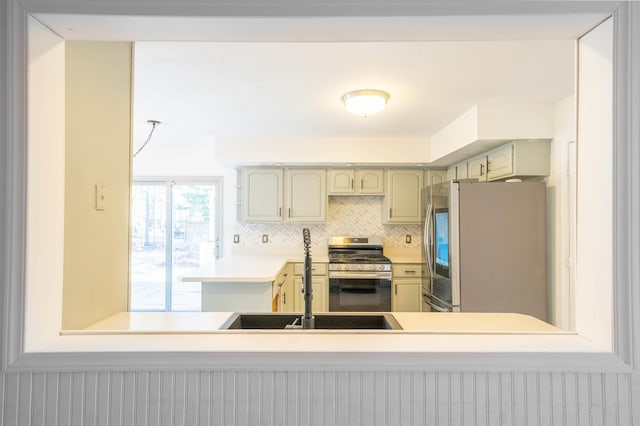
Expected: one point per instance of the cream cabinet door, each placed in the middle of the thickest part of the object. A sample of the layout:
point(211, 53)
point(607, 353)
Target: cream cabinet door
point(351, 181)
point(262, 190)
point(341, 181)
point(407, 295)
point(288, 296)
point(370, 181)
point(477, 168)
point(320, 294)
point(462, 170)
point(306, 195)
point(500, 162)
point(286, 293)
point(403, 202)
point(436, 176)
point(452, 173)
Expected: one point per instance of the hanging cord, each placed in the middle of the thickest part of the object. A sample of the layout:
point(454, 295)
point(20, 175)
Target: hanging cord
point(153, 123)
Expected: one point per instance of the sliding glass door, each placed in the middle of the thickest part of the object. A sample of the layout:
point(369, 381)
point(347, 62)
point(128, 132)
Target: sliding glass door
point(175, 226)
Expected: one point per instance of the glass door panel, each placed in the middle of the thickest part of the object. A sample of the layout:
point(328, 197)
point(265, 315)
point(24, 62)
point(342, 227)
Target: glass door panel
point(148, 247)
point(191, 211)
point(194, 240)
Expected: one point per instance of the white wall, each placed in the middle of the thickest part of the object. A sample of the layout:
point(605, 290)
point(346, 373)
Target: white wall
point(594, 261)
point(45, 232)
point(486, 125)
point(560, 202)
point(312, 150)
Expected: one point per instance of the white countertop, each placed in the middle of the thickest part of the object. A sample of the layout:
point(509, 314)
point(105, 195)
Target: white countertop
point(412, 322)
point(238, 269)
point(403, 258)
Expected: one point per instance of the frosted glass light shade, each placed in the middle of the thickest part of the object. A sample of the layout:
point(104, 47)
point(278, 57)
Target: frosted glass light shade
point(365, 102)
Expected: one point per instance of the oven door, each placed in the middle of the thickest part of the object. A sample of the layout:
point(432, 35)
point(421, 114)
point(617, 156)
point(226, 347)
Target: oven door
point(359, 293)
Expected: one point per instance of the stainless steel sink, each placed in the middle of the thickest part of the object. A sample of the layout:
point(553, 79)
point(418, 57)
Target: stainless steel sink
point(342, 321)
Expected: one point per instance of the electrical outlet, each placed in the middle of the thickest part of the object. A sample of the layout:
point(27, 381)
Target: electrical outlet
point(407, 239)
point(265, 238)
point(236, 238)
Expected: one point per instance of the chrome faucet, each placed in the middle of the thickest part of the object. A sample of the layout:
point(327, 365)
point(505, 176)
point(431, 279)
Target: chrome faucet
point(308, 320)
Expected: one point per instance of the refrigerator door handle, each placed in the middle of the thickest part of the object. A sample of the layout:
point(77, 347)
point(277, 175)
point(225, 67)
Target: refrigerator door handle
point(432, 305)
point(427, 240)
point(440, 301)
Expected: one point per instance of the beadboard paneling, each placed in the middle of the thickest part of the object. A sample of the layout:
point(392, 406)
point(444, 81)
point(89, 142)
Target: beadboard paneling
point(310, 398)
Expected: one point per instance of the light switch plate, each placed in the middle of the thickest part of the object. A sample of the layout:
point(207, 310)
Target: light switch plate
point(265, 238)
point(100, 196)
point(407, 239)
point(236, 238)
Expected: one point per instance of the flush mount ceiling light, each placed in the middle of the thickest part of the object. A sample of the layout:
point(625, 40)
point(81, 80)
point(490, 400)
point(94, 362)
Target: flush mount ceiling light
point(365, 102)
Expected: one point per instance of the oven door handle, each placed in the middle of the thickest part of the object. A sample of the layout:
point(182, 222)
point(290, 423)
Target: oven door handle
point(360, 275)
point(360, 290)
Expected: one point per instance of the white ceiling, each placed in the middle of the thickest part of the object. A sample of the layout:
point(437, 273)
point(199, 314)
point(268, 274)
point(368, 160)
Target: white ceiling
point(295, 89)
point(271, 77)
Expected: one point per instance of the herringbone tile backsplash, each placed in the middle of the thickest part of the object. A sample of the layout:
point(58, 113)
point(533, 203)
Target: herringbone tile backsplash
point(352, 216)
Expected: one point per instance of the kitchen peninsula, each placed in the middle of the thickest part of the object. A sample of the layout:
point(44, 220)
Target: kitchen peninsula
point(242, 282)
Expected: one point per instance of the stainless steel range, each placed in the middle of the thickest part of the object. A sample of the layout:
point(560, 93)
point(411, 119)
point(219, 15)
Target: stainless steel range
point(359, 275)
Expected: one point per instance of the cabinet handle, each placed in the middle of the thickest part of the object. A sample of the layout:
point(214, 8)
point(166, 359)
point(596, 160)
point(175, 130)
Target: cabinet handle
point(410, 272)
point(289, 211)
point(284, 298)
point(488, 163)
point(395, 289)
point(279, 211)
point(390, 213)
point(361, 183)
point(481, 167)
point(351, 183)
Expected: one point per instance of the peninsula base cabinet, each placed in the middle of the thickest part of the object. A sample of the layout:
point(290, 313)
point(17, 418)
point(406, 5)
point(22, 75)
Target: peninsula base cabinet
point(406, 295)
point(319, 283)
point(237, 296)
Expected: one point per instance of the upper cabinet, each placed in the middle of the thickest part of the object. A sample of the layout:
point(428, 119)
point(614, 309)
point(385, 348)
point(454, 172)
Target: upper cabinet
point(519, 159)
point(477, 168)
point(306, 195)
point(262, 192)
point(403, 203)
point(356, 181)
point(457, 171)
point(270, 195)
point(434, 176)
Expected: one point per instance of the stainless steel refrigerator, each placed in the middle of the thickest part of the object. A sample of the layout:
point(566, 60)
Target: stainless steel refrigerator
point(485, 247)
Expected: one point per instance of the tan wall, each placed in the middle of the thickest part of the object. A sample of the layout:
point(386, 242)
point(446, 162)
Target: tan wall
point(98, 147)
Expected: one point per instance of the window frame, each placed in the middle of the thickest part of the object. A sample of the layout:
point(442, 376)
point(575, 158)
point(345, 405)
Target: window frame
point(625, 209)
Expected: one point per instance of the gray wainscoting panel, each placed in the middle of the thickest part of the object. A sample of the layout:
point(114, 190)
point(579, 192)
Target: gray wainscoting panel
point(301, 398)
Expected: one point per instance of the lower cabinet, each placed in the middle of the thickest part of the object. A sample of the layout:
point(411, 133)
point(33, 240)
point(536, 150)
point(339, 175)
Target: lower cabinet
point(284, 288)
point(319, 283)
point(406, 295)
